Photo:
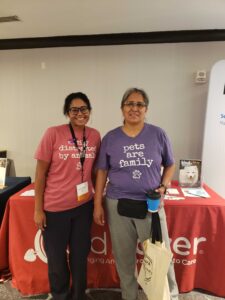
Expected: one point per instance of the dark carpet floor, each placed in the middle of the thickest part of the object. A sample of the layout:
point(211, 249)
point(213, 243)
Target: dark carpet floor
point(7, 292)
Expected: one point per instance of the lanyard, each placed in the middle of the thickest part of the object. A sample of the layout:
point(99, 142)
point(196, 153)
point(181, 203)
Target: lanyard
point(84, 146)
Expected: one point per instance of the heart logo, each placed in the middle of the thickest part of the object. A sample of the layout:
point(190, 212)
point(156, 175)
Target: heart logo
point(30, 255)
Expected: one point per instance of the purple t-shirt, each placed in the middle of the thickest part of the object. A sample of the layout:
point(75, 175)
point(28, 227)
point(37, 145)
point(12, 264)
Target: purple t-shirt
point(134, 164)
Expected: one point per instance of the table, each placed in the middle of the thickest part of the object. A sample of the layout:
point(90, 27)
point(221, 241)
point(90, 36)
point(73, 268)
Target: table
point(13, 185)
point(196, 228)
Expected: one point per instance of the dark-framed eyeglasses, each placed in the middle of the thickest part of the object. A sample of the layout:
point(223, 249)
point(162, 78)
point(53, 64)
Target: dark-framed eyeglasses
point(132, 104)
point(76, 110)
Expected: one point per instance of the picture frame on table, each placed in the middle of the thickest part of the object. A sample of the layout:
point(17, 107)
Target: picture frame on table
point(190, 173)
point(3, 168)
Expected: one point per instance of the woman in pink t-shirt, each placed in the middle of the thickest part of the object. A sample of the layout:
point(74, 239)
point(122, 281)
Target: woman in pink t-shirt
point(66, 158)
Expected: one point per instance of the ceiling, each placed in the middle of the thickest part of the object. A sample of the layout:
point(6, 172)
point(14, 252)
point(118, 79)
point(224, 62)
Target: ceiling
point(46, 18)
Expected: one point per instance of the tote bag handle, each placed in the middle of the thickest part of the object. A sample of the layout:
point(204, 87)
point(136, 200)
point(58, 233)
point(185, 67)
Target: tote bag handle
point(156, 232)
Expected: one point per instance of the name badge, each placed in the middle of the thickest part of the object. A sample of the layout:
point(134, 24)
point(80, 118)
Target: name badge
point(82, 192)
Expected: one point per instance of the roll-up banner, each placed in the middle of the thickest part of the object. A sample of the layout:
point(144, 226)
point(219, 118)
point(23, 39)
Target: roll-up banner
point(213, 154)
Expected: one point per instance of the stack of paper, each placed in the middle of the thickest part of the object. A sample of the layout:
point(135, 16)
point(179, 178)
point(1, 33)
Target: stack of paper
point(28, 193)
point(195, 192)
point(173, 194)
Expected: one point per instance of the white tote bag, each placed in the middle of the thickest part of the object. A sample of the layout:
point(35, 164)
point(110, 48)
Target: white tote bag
point(153, 273)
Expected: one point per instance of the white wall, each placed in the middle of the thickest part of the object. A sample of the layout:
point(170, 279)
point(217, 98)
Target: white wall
point(31, 97)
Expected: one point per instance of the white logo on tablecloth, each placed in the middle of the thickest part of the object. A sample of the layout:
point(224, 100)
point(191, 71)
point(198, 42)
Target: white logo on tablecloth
point(184, 250)
point(38, 251)
point(181, 247)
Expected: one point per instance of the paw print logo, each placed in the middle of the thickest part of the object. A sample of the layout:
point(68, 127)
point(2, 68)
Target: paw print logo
point(38, 251)
point(137, 174)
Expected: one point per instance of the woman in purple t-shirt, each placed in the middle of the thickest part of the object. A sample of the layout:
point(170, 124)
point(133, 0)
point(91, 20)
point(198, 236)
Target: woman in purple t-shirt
point(131, 157)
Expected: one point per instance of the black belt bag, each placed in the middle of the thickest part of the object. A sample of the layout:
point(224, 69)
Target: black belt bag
point(132, 208)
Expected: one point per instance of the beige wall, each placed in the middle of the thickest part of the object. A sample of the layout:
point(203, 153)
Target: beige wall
point(34, 83)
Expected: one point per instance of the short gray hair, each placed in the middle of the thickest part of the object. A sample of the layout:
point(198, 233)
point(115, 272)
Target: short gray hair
point(134, 90)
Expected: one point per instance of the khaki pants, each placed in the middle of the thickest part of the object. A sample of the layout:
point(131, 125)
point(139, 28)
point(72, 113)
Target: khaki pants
point(125, 233)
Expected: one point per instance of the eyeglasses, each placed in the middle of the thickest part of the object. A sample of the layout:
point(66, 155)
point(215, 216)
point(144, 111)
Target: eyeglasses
point(75, 110)
point(132, 104)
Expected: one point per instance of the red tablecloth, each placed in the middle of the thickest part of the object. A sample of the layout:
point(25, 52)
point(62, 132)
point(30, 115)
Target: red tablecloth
point(196, 228)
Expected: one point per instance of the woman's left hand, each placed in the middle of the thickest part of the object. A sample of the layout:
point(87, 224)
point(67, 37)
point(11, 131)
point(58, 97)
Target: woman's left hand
point(161, 190)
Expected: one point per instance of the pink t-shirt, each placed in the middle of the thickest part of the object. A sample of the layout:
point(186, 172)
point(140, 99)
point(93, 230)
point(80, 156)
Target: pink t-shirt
point(65, 174)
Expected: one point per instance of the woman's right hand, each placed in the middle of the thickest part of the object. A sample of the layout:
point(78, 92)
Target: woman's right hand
point(99, 215)
point(40, 219)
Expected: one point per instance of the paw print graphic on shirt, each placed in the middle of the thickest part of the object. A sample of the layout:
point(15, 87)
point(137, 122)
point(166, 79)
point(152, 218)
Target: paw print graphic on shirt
point(137, 174)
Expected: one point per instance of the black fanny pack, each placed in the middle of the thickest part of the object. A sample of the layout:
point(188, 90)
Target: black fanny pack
point(132, 208)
